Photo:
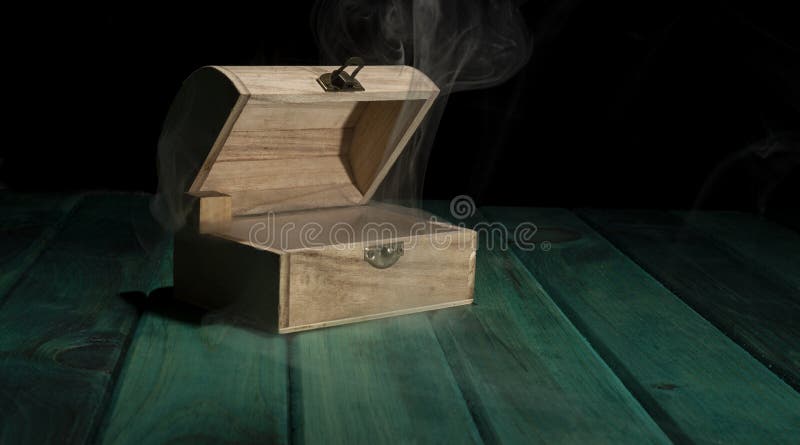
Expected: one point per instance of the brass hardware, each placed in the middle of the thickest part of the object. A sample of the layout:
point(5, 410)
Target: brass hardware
point(383, 256)
point(339, 80)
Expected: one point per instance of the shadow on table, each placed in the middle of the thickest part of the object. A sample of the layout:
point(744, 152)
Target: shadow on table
point(162, 302)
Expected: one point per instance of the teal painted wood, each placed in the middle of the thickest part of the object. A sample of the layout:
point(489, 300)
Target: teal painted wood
point(381, 381)
point(695, 382)
point(527, 374)
point(27, 223)
point(64, 326)
point(787, 217)
point(764, 243)
point(187, 380)
point(195, 377)
point(758, 311)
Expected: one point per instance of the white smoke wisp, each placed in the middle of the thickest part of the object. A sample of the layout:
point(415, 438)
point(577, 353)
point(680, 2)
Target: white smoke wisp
point(766, 163)
point(460, 45)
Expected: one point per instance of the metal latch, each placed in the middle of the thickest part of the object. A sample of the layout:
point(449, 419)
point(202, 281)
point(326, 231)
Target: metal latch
point(339, 80)
point(383, 256)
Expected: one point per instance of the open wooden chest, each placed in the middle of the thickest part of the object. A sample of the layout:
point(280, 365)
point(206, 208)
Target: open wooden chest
point(281, 226)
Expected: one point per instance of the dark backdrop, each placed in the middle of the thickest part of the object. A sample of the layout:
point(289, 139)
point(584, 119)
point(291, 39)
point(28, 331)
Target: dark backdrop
point(623, 104)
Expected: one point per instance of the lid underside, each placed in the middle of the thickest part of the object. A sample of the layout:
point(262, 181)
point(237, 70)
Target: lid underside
point(294, 146)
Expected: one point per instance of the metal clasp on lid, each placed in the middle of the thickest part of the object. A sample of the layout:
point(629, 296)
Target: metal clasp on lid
point(383, 256)
point(339, 80)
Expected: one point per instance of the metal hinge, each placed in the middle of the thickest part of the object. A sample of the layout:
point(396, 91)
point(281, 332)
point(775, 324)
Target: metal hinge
point(339, 80)
point(383, 256)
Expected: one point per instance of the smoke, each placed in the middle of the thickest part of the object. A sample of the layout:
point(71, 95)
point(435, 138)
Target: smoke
point(177, 163)
point(765, 164)
point(459, 45)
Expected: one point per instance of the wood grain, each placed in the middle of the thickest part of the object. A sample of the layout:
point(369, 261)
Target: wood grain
point(298, 84)
point(27, 224)
point(526, 372)
point(284, 173)
point(282, 144)
point(696, 383)
point(265, 116)
point(334, 283)
point(195, 376)
point(259, 202)
point(383, 381)
point(766, 244)
point(375, 137)
point(65, 327)
point(210, 211)
point(265, 132)
point(281, 147)
point(340, 226)
point(197, 125)
point(757, 310)
point(199, 382)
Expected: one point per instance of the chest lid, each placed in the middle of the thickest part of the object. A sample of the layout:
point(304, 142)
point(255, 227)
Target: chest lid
point(274, 139)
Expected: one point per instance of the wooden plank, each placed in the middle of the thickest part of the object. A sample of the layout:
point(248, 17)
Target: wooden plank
point(27, 223)
point(786, 217)
point(190, 379)
point(754, 309)
point(526, 372)
point(193, 376)
point(383, 381)
point(64, 325)
point(771, 246)
point(696, 383)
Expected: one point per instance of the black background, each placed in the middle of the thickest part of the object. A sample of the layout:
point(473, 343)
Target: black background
point(623, 104)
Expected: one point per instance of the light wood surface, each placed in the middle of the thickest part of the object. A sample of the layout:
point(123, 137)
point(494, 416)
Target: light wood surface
point(283, 144)
point(280, 147)
point(299, 83)
point(341, 226)
point(273, 139)
point(197, 125)
point(335, 283)
point(210, 211)
point(265, 269)
point(287, 146)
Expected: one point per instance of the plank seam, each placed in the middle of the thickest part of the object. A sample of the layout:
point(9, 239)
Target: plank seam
point(44, 240)
point(660, 417)
point(101, 418)
point(470, 405)
point(290, 404)
point(679, 294)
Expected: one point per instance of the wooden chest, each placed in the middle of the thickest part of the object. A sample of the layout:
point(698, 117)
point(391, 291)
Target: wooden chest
point(280, 225)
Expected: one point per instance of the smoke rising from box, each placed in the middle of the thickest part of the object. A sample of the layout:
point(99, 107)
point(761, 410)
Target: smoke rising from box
point(459, 45)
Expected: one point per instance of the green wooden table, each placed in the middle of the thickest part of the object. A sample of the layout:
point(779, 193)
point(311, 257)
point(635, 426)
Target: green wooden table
point(619, 327)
